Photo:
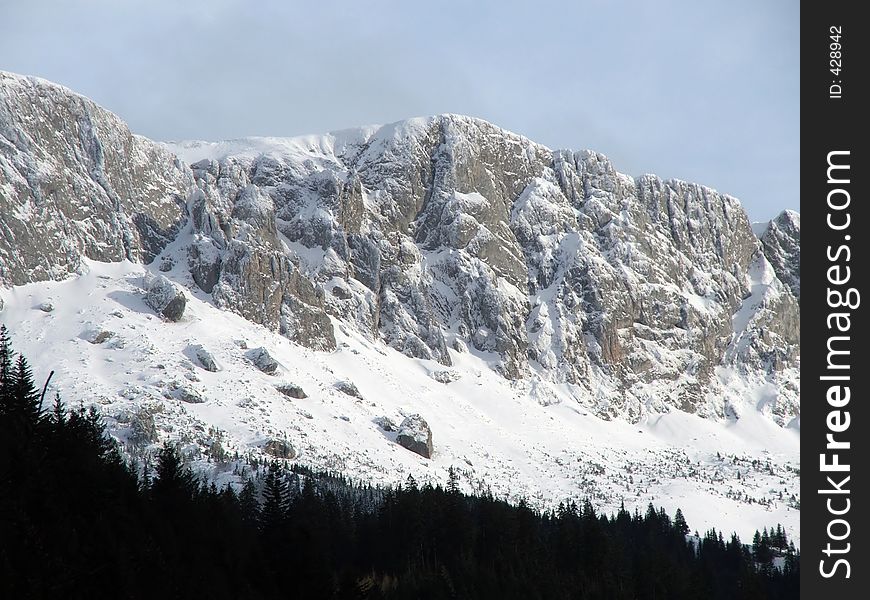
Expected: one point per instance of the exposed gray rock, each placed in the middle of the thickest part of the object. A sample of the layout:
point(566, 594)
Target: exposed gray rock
point(143, 428)
point(782, 247)
point(349, 388)
point(74, 182)
point(238, 256)
point(291, 391)
point(549, 263)
point(603, 280)
point(261, 359)
point(175, 390)
point(414, 434)
point(444, 376)
point(189, 395)
point(386, 424)
point(165, 297)
point(97, 336)
point(44, 307)
point(279, 449)
point(205, 358)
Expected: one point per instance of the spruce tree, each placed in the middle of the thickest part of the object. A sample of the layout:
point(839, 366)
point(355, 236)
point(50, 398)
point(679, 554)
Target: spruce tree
point(6, 373)
point(58, 412)
point(25, 394)
point(175, 484)
point(680, 523)
point(276, 499)
point(452, 481)
point(248, 504)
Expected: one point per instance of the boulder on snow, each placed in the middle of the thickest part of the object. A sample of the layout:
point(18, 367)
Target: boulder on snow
point(444, 376)
point(205, 358)
point(189, 395)
point(348, 387)
point(180, 391)
point(44, 307)
point(415, 435)
point(96, 336)
point(292, 391)
point(279, 449)
point(143, 428)
point(385, 423)
point(166, 298)
point(262, 360)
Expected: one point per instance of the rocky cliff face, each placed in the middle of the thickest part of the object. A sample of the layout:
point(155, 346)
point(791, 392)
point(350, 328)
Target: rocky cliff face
point(436, 236)
point(75, 182)
point(781, 241)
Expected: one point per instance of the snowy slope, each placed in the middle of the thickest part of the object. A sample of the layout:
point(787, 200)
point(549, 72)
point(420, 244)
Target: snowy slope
point(522, 438)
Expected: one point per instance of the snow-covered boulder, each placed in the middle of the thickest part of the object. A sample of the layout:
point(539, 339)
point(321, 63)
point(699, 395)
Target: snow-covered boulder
point(279, 449)
point(205, 358)
point(261, 359)
point(444, 377)
point(166, 298)
point(416, 436)
point(292, 391)
point(189, 395)
point(96, 335)
point(349, 388)
point(385, 423)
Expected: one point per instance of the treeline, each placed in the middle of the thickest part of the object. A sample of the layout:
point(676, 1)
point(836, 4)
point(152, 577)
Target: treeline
point(76, 521)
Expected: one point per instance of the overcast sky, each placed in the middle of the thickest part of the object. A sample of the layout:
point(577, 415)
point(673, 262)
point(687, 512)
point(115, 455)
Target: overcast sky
point(703, 91)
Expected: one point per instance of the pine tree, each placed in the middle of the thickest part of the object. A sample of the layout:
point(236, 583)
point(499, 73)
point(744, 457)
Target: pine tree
point(19, 398)
point(26, 396)
point(680, 523)
point(174, 483)
point(6, 372)
point(276, 499)
point(452, 481)
point(248, 504)
point(58, 412)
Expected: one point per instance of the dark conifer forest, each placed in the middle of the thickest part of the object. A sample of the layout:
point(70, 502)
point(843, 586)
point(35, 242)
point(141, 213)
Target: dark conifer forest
point(77, 520)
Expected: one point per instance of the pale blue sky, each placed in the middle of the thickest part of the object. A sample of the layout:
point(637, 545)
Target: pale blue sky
point(703, 91)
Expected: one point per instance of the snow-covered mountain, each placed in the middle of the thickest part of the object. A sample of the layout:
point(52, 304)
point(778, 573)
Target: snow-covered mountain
point(563, 329)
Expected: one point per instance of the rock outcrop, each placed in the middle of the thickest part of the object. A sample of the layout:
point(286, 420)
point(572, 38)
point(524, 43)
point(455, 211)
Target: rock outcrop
point(261, 359)
point(782, 248)
point(75, 183)
point(415, 435)
point(280, 449)
point(292, 391)
point(431, 235)
point(450, 232)
point(165, 297)
point(205, 358)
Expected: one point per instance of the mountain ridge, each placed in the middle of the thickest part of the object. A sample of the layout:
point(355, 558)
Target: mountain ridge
point(560, 242)
point(559, 325)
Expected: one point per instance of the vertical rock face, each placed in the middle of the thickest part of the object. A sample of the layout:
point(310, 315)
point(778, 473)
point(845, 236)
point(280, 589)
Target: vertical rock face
point(782, 248)
point(239, 256)
point(74, 182)
point(445, 232)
